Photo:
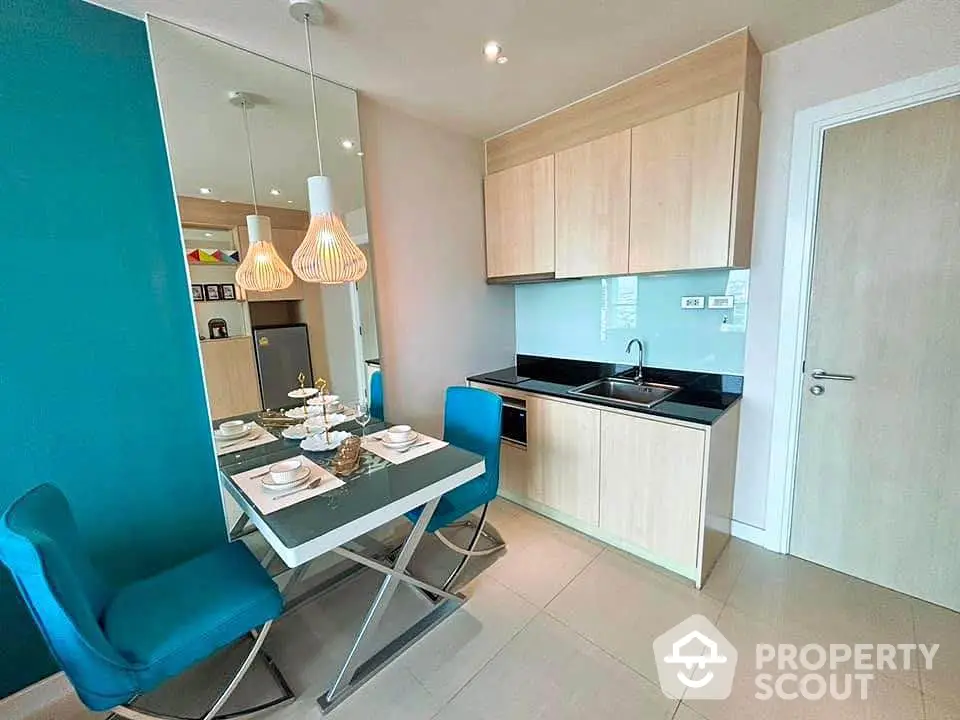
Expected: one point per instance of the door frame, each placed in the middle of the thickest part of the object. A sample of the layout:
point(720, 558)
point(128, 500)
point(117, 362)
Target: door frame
point(809, 127)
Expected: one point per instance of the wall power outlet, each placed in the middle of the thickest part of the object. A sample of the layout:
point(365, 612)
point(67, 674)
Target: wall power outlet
point(692, 302)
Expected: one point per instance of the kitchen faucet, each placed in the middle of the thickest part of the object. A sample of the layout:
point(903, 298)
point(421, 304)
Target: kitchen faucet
point(639, 375)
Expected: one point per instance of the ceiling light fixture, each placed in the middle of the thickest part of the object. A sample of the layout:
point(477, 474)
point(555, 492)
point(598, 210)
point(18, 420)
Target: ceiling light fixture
point(492, 51)
point(206, 191)
point(208, 234)
point(347, 144)
point(502, 60)
point(275, 191)
point(262, 269)
point(327, 254)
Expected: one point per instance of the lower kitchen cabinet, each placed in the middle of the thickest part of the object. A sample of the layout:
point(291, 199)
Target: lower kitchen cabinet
point(651, 476)
point(658, 488)
point(563, 444)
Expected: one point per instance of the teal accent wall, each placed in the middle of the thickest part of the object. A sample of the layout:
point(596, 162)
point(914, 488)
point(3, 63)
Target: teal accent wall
point(593, 319)
point(98, 341)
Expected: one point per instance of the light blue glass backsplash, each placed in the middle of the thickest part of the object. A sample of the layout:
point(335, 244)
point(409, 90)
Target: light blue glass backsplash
point(593, 319)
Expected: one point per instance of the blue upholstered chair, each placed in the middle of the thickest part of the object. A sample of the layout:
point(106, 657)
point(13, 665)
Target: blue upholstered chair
point(376, 395)
point(471, 421)
point(117, 643)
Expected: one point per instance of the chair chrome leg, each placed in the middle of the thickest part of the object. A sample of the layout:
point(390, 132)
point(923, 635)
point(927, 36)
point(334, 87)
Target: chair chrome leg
point(471, 547)
point(132, 713)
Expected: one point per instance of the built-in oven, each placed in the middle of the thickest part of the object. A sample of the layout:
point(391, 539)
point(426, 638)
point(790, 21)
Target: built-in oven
point(513, 427)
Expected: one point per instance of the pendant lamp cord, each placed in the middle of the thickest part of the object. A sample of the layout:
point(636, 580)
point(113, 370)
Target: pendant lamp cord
point(253, 182)
point(313, 91)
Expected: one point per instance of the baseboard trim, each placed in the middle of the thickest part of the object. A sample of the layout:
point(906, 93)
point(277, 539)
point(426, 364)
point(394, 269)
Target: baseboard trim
point(752, 534)
point(36, 698)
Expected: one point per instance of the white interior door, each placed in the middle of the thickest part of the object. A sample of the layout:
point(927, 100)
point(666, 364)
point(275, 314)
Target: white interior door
point(877, 491)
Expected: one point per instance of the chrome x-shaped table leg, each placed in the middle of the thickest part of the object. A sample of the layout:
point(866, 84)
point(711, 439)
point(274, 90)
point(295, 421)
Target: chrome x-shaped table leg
point(345, 682)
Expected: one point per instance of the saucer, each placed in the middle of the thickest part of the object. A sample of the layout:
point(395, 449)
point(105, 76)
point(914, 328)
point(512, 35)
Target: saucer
point(269, 484)
point(401, 445)
point(233, 436)
point(295, 432)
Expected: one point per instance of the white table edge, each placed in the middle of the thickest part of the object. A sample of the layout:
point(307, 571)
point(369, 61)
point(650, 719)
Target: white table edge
point(323, 544)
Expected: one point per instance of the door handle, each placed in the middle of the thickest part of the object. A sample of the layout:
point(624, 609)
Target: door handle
point(824, 375)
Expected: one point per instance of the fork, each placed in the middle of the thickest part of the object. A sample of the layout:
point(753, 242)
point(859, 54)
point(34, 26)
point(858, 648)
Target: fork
point(416, 445)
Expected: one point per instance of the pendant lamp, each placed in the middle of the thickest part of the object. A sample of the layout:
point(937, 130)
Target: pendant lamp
point(327, 254)
point(262, 269)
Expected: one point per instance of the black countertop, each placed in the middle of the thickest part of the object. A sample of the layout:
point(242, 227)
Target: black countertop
point(704, 397)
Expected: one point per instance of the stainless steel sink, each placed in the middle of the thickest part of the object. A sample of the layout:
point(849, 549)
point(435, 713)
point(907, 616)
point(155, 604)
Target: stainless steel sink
point(626, 392)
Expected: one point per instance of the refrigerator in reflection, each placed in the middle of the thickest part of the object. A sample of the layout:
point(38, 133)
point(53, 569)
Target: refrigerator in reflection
point(283, 352)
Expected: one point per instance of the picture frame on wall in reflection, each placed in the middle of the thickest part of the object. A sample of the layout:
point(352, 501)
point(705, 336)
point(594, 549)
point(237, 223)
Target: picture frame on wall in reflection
point(197, 292)
point(228, 291)
point(211, 292)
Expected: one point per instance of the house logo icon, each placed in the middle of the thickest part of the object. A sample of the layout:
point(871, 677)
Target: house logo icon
point(695, 661)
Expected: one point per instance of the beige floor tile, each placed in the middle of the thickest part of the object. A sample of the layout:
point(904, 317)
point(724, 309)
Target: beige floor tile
point(67, 708)
point(445, 660)
point(937, 625)
point(542, 557)
point(887, 698)
point(723, 577)
point(832, 607)
point(548, 671)
point(623, 604)
point(684, 712)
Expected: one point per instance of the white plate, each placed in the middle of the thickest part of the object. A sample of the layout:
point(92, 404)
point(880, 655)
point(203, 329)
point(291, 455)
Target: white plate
point(297, 412)
point(234, 436)
point(318, 442)
point(400, 446)
point(329, 400)
point(295, 432)
point(269, 484)
point(301, 393)
point(316, 421)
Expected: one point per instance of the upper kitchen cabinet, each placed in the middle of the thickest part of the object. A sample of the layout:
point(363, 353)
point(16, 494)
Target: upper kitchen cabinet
point(593, 207)
point(519, 211)
point(685, 190)
point(656, 173)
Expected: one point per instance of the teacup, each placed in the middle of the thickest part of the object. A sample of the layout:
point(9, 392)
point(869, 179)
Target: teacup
point(285, 471)
point(230, 428)
point(399, 433)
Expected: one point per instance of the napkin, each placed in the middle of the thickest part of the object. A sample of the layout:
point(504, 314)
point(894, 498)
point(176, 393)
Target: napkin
point(268, 501)
point(258, 436)
point(373, 444)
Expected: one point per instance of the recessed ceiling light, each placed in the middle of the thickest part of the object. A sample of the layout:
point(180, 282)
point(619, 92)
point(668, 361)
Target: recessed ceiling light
point(502, 59)
point(274, 191)
point(492, 50)
point(346, 144)
point(206, 191)
point(223, 201)
point(289, 202)
point(208, 234)
point(359, 153)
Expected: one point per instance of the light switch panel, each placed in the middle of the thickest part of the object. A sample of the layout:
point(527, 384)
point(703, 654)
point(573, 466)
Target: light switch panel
point(720, 302)
point(692, 302)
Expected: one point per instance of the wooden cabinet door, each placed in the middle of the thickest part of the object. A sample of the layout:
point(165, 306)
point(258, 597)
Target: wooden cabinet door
point(230, 375)
point(593, 207)
point(519, 213)
point(563, 441)
point(682, 188)
point(650, 483)
point(286, 242)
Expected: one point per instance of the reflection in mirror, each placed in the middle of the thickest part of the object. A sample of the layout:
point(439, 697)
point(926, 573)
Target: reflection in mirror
point(254, 345)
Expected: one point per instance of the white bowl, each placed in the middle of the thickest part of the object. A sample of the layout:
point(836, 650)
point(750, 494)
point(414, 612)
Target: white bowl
point(285, 471)
point(232, 428)
point(399, 434)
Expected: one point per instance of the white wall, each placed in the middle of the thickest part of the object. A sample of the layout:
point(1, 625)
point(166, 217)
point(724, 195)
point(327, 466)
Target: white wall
point(906, 40)
point(438, 319)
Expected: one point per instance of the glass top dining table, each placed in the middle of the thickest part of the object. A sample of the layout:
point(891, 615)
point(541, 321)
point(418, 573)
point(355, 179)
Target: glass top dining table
point(379, 493)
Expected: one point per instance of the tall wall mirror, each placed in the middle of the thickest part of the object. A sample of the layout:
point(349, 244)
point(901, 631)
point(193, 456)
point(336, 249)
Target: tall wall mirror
point(255, 345)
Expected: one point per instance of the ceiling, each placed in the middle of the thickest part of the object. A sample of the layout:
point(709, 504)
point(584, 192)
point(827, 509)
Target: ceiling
point(424, 56)
point(208, 147)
